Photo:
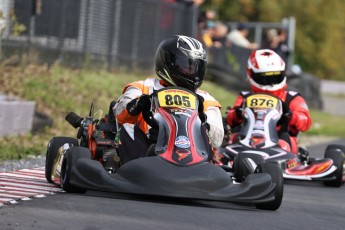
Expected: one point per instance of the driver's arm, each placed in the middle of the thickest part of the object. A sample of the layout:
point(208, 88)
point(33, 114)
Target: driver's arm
point(232, 116)
point(120, 110)
point(301, 119)
point(214, 119)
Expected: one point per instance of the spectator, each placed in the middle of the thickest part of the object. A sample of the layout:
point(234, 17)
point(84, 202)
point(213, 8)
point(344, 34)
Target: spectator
point(219, 35)
point(207, 34)
point(271, 39)
point(205, 24)
point(239, 37)
point(280, 46)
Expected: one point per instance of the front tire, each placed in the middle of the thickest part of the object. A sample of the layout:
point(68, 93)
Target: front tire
point(245, 164)
point(52, 151)
point(277, 177)
point(73, 154)
point(338, 160)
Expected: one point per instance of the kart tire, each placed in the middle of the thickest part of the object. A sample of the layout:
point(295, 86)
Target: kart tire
point(242, 166)
point(277, 177)
point(52, 150)
point(334, 146)
point(73, 154)
point(338, 160)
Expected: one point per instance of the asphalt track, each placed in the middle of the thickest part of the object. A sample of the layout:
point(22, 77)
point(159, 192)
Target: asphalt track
point(306, 205)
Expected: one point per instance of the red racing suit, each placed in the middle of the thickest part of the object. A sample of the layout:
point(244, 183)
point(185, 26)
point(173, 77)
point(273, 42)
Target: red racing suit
point(147, 86)
point(300, 120)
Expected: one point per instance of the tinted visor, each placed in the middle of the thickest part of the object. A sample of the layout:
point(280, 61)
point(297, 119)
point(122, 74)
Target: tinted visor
point(189, 71)
point(269, 78)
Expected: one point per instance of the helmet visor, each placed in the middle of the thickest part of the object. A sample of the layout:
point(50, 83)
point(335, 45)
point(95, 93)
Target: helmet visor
point(269, 78)
point(190, 71)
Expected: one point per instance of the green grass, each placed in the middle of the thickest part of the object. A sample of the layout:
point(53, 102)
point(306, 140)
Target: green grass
point(58, 91)
point(327, 124)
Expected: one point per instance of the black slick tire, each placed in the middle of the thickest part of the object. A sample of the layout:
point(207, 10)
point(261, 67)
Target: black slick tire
point(277, 177)
point(73, 154)
point(52, 150)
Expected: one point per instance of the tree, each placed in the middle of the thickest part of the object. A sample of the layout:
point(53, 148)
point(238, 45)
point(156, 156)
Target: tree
point(320, 32)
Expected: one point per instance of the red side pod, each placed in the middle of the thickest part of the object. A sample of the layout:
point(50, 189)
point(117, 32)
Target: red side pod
point(167, 155)
point(171, 148)
point(195, 156)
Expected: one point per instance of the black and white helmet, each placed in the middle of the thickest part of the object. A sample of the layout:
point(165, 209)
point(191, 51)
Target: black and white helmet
point(181, 61)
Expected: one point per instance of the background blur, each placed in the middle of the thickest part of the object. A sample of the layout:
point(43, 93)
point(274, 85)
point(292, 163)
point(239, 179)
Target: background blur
point(125, 33)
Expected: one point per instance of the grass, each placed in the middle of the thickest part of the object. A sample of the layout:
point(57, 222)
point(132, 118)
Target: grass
point(58, 91)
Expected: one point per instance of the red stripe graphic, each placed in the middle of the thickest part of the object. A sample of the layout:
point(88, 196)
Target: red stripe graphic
point(23, 184)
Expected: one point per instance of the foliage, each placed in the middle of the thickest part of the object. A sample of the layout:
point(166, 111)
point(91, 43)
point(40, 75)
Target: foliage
point(320, 31)
point(17, 28)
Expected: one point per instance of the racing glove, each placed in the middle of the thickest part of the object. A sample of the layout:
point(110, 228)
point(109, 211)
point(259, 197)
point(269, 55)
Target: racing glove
point(238, 111)
point(137, 105)
point(285, 118)
point(287, 114)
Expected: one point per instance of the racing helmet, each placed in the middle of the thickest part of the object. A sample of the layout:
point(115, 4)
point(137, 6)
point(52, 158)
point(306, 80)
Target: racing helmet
point(181, 61)
point(266, 72)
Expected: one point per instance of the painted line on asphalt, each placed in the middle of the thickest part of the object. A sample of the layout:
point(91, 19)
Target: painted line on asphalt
point(24, 184)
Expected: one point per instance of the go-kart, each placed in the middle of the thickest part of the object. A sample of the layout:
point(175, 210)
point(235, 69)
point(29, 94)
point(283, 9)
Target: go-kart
point(258, 135)
point(178, 166)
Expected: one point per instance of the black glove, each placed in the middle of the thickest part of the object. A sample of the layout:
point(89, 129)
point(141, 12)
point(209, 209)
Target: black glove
point(238, 111)
point(285, 118)
point(202, 115)
point(287, 114)
point(136, 106)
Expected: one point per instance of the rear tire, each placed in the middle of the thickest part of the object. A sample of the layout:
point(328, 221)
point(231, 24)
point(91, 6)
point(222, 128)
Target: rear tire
point(73, 154)
point(338, 160)
point(277, 177)
point(52, 151)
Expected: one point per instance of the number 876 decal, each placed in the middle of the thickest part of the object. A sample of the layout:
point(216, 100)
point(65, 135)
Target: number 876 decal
point(262, 101)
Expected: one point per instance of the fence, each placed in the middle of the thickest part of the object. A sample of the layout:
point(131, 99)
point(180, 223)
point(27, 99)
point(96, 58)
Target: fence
point(116, 32)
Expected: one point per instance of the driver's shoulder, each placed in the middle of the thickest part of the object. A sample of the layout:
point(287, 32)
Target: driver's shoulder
point(205, 95)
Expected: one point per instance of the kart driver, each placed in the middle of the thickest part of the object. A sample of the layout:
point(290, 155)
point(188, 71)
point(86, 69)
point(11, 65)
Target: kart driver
point(266, 74)
point(180, 61)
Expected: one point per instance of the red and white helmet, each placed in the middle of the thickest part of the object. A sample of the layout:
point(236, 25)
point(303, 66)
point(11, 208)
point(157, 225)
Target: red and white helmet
point(266, 72)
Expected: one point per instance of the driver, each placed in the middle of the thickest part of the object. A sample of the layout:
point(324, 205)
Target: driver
point(266, 74)
point(180, 61)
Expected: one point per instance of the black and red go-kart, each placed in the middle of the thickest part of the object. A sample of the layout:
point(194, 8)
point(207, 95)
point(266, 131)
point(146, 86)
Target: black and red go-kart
point(258, 135)
point(180, 166)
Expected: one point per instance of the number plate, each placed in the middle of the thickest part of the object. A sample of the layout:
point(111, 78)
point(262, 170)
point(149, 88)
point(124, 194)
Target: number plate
point(177, 98)
point(262, 101)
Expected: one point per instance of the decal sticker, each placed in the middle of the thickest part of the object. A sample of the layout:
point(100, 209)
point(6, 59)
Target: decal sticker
point(182, 142)
point(262, 101)
point(177, 98)
point(182, 154)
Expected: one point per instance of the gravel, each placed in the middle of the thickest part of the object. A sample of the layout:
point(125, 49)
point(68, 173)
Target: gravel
point(31, 162)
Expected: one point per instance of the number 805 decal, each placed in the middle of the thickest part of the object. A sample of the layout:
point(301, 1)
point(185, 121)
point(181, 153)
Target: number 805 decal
point(261, 101)
point(176, 98)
